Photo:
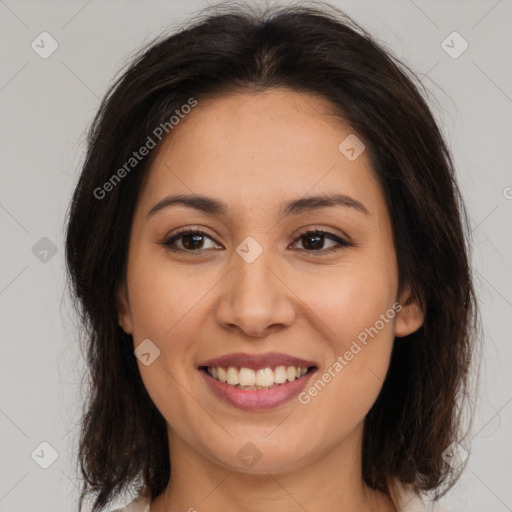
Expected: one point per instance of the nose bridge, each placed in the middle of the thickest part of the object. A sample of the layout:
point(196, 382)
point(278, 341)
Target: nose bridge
point(255, 298)
point(253, 275)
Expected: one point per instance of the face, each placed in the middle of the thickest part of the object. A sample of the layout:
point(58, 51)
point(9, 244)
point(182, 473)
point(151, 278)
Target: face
point(252, 278)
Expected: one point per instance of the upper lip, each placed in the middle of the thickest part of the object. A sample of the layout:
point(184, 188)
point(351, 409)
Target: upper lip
point(256, 361)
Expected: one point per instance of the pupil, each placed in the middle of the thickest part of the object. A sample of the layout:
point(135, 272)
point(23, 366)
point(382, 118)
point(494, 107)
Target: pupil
point(318, 239)
point(197, 238)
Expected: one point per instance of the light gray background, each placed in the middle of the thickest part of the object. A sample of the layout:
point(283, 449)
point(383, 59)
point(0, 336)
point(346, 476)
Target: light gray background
point(46, 105)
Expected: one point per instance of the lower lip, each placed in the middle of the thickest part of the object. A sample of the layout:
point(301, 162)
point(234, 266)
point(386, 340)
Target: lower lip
point(257, 399)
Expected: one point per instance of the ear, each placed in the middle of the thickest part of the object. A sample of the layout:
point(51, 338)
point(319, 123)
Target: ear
point(410, 317)
point(124, 317)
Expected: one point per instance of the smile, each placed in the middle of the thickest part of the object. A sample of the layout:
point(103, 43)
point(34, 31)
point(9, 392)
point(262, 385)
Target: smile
point(254, 397)
point(262, 378)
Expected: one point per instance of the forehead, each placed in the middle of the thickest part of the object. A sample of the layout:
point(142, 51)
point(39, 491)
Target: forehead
point(257, 147)
point(273, 121)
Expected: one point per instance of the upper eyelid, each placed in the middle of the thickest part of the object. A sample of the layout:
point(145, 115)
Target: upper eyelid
point(189, 230)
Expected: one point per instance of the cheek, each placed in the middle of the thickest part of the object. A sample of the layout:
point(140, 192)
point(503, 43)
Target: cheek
point(163, 295)
point(358, 354)
point(355, 306)
point(166, 307)
point(350, 298)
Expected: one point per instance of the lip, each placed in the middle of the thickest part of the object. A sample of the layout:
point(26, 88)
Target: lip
point(254, 399)
point(257, 361)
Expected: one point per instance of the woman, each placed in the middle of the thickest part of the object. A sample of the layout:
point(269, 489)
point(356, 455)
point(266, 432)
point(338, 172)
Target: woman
point(270, 254)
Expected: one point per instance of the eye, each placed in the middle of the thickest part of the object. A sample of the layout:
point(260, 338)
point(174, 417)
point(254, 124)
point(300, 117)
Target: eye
point(191, 239)
point(314, 240)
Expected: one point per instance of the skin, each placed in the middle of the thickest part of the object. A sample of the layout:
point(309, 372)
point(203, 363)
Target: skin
point(254, 151)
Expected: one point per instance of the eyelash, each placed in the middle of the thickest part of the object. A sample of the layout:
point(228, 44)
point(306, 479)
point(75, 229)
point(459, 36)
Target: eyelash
point(342, 243)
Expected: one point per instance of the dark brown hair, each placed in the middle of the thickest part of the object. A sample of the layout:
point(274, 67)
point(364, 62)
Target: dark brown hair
point(313, 49)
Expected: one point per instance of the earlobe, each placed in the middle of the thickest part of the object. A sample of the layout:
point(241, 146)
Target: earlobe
point(410, 318)
point(123, 310)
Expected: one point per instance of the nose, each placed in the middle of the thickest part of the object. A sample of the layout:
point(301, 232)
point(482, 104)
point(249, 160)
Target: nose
point(255, 299)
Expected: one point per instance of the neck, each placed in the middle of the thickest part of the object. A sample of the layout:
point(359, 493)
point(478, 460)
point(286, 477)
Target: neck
point(331, 481)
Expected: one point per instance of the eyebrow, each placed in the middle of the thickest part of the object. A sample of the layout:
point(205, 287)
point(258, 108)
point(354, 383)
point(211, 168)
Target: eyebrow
point(212, 206)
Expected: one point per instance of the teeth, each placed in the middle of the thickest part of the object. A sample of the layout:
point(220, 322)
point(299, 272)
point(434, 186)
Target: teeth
point(233, 376)
point(247, 378)
point(280, 375)
point(265, 377)
point(222, 374)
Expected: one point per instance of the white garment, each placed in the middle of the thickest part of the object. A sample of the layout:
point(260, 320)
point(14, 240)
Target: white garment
point(403, 496)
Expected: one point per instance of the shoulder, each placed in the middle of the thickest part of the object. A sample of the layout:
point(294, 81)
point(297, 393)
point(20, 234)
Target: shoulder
point(407, 499)
point(139, 504)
